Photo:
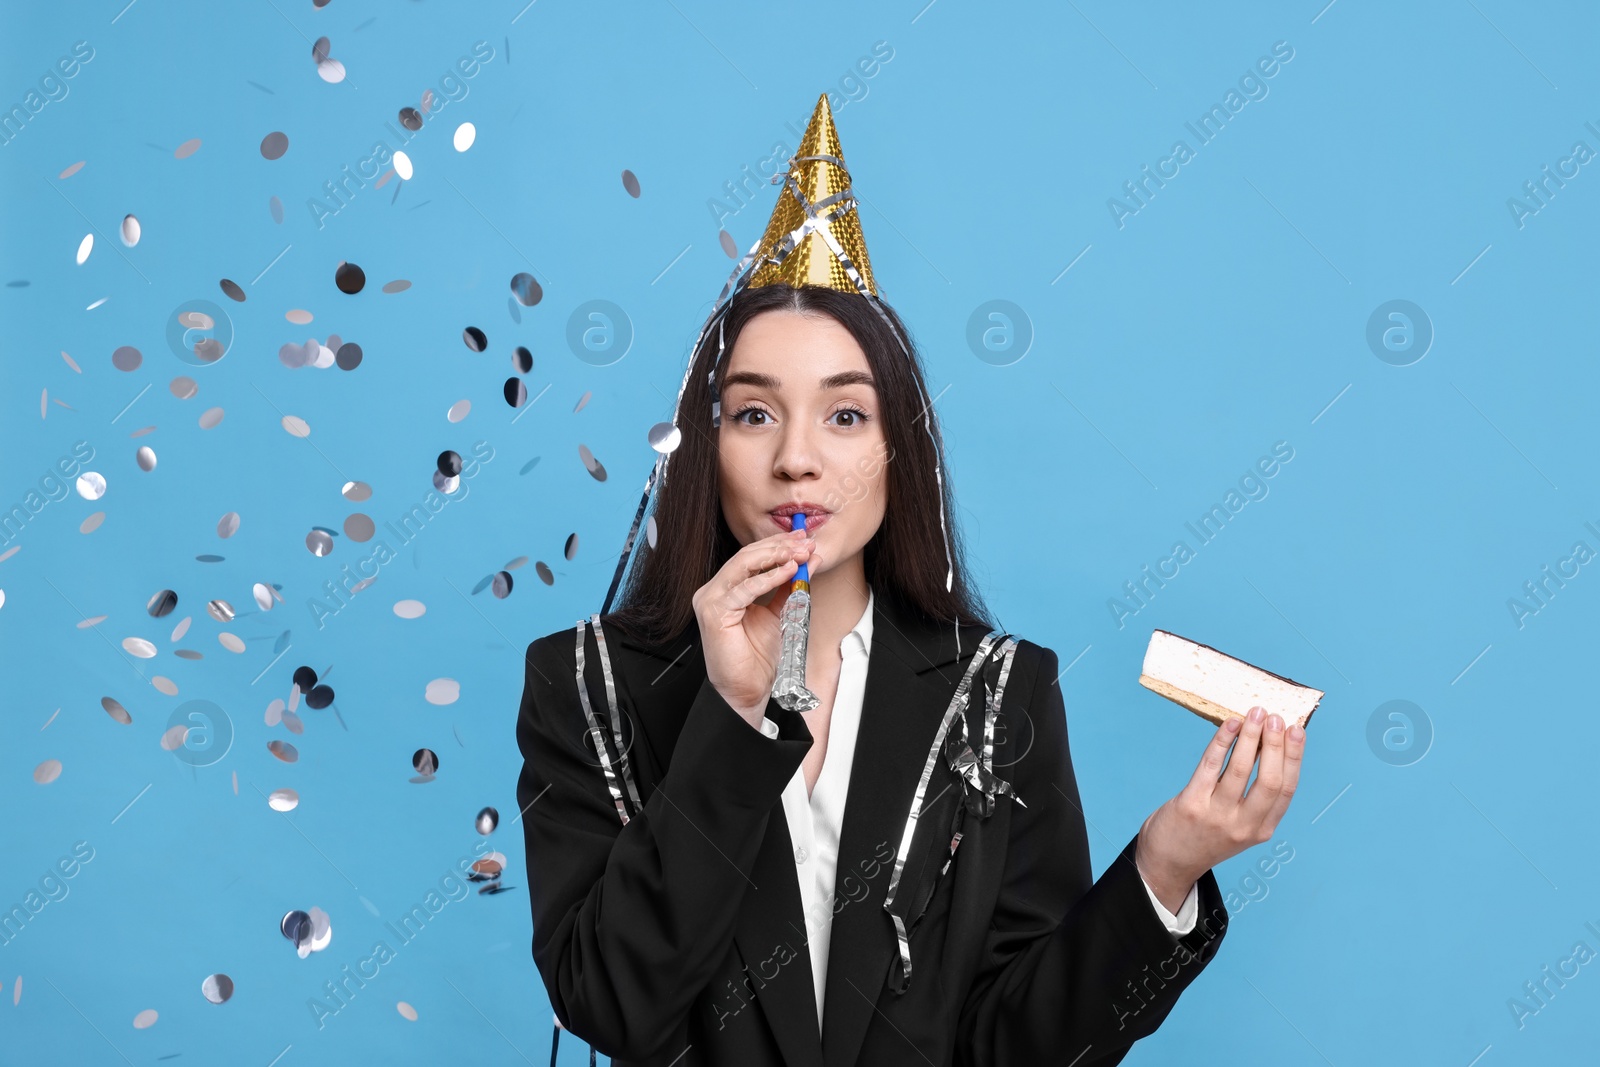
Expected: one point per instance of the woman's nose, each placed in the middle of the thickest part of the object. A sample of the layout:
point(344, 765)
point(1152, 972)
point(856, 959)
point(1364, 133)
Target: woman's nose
point(797, 455)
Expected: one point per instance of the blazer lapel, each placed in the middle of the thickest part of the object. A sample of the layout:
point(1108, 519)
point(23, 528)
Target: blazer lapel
point(912, 671)
point(770, 932)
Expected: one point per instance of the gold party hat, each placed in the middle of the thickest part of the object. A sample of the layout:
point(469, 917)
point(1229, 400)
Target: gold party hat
point(814, 235)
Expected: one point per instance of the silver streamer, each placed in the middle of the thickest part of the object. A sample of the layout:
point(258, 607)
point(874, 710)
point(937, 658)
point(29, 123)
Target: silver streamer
point(972, 772)
point(623, 769)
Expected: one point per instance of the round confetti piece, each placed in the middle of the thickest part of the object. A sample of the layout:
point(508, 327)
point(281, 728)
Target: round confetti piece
point(217, 988)
point(145, 1019)
point(410, 609)
point(525, 287)
point(442, 691)
point(349, 278)
point(91, 485)
point(47, 772)
point(274, 145)
point(665, 437)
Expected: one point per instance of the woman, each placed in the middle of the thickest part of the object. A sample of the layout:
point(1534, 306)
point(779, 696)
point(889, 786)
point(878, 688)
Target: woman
point(717, 879)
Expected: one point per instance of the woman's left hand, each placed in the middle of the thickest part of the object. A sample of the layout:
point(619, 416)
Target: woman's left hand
point(1213, 819)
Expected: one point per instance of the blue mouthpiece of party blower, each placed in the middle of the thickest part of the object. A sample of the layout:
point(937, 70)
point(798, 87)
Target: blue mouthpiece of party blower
point(797, 521)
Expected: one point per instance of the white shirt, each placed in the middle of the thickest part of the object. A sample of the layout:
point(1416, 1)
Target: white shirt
point(815, 821)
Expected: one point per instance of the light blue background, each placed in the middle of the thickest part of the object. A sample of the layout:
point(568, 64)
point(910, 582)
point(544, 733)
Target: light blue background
point(1228, 314)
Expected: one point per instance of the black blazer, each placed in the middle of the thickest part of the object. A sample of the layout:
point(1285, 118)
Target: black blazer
point(679, 938)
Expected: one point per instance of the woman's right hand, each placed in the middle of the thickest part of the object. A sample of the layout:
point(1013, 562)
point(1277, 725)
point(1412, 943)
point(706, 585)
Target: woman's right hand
point(743, 639)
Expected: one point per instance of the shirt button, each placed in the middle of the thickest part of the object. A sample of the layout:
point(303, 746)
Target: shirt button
point(800, 855)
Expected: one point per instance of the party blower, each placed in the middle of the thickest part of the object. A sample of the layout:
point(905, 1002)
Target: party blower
point(789, 688)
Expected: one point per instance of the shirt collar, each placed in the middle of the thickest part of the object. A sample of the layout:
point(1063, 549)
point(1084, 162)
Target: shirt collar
point(863, 627)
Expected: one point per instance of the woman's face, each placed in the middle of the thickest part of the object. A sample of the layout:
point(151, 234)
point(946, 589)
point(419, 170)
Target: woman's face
point(800, 425)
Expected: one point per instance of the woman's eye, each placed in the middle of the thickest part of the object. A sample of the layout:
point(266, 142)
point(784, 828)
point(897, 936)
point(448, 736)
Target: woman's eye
point(851, 417)
point(749, 411)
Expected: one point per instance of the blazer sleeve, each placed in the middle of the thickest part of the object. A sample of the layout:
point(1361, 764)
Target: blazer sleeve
point(630, 922)
point(1073, 967)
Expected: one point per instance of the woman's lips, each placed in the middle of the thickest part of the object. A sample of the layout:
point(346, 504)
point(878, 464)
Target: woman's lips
point(785, 522)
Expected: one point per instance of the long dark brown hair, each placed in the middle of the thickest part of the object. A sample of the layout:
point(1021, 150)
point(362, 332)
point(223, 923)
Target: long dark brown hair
point(904, 559)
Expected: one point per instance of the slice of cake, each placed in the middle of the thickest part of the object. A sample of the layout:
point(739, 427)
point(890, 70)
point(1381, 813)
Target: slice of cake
point(1214, 685)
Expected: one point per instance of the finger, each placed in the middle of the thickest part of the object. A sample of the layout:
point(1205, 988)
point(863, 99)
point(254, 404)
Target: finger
point(758, 556)
point(1204, 779)
point(1293, 755)
point(1231, 785)
point(1269, 772)
point(744, 592)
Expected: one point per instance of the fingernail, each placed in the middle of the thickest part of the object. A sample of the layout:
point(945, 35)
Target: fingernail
point(1297, 733)
point(1257, 714)
point(1233, 724)
point(1274, 722)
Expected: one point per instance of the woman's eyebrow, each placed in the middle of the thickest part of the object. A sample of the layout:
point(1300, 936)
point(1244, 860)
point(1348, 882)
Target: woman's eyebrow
point(767, 381)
